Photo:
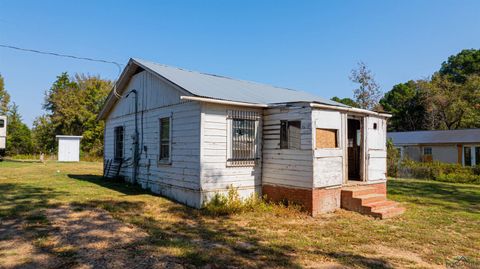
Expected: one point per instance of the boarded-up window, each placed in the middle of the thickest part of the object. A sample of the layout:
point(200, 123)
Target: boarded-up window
point(290, 134)
point(326, 138)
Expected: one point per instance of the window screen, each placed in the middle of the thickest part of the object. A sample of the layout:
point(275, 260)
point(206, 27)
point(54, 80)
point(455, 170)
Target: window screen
point(290, 134)
point(326, 138)
point(243, 137)
point(164, 154)
point(467, 154)
point(118, 142)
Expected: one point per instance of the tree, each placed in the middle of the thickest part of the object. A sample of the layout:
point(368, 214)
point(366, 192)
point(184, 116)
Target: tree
point(19, 138)
point(368, 92)
point(406, 103)
point(346, 101)
point(43, 135)
point(4, 98)
point(460, 66)
point(449, 102)
point(72, 106)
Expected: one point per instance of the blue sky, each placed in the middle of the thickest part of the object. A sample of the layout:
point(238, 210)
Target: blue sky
point(307, 45)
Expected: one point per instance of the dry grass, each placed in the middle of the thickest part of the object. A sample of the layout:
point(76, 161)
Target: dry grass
point(66, 215)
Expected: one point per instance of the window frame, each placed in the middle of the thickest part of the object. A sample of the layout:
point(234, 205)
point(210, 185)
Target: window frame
point(473, 156)
point(232, 116)
point(164, 160)
point(115, 143)
point(285, 134)
point(337, 141)
point(427, 154)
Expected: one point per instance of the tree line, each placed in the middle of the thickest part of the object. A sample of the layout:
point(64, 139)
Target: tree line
point(71, 106)
point(448, 99)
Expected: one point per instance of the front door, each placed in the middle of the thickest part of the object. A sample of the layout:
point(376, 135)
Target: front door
point(354, 149)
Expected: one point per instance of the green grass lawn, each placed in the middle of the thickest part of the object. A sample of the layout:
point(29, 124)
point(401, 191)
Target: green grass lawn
point(440, 227)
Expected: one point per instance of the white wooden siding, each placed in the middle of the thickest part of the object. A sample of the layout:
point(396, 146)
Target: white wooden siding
point(287, 167)
point(328, 163)
point(376, 148)
point(215, 175)
point(157, 99)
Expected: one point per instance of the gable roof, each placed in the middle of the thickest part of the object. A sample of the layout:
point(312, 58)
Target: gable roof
point(435, 137)
point(215, 87)
point(225, 88)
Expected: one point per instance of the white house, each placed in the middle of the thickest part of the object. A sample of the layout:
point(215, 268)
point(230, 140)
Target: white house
point(188, 135)
point(448, 146)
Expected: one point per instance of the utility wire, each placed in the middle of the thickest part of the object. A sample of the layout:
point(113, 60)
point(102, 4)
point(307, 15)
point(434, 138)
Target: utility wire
point(119, 66)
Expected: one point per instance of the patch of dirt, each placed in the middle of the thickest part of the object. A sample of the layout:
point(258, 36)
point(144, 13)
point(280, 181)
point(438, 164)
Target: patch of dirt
point(393, 253)
point(96, 240)
point(16, 251)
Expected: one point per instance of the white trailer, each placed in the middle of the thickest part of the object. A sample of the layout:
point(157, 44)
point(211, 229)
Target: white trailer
point(3, 135)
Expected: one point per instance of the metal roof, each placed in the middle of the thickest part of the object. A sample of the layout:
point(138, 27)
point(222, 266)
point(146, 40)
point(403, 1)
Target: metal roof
point(436, 137)
point(224, 88)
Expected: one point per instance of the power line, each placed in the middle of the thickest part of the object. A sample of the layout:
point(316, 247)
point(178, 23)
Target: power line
point(63, 55)
point(118, 65)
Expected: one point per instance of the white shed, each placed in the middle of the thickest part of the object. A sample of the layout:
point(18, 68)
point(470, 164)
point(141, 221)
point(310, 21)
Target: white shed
point(68, 148)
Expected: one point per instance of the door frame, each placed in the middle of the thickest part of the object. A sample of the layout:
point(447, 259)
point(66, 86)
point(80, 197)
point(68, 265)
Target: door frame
point(363, 146)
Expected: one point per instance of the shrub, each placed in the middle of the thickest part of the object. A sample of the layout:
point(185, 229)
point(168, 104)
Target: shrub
point(439, 171)
point(232, 203)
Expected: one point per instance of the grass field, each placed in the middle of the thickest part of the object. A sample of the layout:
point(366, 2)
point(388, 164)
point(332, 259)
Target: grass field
point(66, 215)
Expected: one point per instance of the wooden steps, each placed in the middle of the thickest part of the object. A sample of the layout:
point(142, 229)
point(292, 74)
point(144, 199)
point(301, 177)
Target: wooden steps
point(370, 200)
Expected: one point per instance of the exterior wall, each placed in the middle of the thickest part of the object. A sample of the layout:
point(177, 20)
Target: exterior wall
point(329, 163)
point(446, 154)
point(376, 145)
point(442, 153)
point(178, 180)
point(216, 176)
point(287, 167)
point(68, 149)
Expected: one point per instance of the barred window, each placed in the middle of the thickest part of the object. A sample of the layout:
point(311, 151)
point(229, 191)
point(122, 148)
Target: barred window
point(118, 142)
point(164, 154)
point(243, 140)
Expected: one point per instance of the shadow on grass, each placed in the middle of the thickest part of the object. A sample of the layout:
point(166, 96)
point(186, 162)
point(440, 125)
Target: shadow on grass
point(198, 239)
point(456, 197)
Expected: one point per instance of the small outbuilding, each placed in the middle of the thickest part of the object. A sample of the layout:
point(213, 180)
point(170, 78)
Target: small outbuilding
point(68, 148)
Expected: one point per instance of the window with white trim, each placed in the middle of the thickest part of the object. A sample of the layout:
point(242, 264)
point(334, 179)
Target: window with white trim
point(471, 155)
point(165, 144)
point(242, 138)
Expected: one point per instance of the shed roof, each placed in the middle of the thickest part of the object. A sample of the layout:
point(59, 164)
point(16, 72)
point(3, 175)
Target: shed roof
point(435, 137)
point(225, 88)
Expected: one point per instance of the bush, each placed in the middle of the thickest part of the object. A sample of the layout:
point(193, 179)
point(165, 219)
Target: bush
point(439, 171)
point(222, 204)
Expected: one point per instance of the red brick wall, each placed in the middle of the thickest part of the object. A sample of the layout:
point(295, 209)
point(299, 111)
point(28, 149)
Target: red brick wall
point(314, 201)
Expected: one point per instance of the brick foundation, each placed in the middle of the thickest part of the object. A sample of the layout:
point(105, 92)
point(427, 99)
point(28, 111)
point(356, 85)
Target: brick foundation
point(314, 201)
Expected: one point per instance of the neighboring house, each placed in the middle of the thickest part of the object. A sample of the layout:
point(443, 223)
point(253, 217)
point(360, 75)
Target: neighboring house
point(448, 146)
point(198, 134)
